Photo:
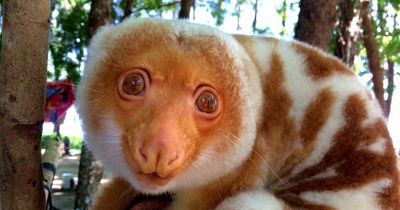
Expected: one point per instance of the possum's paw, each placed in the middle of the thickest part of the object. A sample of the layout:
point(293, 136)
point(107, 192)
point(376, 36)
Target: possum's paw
point(252, 200)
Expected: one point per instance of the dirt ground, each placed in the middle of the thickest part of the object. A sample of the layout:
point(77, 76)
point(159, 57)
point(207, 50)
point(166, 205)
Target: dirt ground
point(66, 179)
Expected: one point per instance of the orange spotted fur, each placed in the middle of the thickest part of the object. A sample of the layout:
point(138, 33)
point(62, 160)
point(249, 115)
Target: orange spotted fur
point(295, 128)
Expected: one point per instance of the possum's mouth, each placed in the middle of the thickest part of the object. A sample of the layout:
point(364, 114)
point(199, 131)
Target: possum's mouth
point(150, 202)
point(153, 179)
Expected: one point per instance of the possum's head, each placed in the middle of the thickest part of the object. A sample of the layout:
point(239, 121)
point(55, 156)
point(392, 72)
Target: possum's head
point(167, 104)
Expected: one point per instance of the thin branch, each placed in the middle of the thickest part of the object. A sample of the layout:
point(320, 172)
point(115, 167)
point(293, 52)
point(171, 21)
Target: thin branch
point(158, 7)
point(255, 8)
point(372, 54)
point(128, 8)
point(391, 86)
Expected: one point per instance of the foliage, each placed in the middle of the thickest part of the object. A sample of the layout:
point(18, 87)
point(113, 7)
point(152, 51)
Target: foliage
point(238, 11)
point(70, 33)
point(75, 141)
point(151, 8)
point(69, 38)
point(282, 12)
point(218, 11)
point(69, 27)
point(387, 29)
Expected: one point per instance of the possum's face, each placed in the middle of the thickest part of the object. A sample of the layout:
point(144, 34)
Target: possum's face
point(168, 105)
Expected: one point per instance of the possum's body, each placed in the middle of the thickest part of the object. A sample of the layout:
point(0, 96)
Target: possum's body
point(232, 122)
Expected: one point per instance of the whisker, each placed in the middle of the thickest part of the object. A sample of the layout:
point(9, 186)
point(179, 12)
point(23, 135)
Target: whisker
point(262, 159)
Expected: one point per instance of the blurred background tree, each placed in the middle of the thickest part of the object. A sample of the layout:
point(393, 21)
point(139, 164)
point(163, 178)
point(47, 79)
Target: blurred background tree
point(363, 33)
point(342, 28)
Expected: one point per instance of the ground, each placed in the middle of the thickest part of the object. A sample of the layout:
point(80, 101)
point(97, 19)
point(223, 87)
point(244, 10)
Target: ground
point(65, 181)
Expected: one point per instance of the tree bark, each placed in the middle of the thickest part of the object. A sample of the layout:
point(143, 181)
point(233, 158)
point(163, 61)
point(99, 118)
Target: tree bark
point(348, 30)
point(316, 21)
point(390, 87)
point(91, 169)
point(90, 174)
point(372, 54)
point(22, 95)
point(128, 8)
point(184, 13)
point(99, 15)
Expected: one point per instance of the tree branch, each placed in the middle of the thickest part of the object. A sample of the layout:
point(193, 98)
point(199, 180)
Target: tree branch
point(372, 54)
point(128, 8)
point(158, 7)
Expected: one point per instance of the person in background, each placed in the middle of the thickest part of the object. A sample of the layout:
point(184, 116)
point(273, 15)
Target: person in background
point(67, 144)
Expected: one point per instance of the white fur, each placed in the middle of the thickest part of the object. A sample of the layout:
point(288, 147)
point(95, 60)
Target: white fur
point(262, 51)
point(252, 200)
point(329, 172)
point(212, 164)
point(378, 147)
point(343, 86)
point(302, 89)
point(375, 112)
point(298, 84)
point(350, 199)
point(106, 144)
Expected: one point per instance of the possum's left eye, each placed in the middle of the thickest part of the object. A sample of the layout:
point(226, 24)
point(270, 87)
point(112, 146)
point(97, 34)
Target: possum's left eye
point(133, 84)
point(207, 101)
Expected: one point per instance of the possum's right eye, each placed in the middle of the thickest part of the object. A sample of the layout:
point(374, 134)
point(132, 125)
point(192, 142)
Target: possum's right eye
point(133, 84)
point(207, 102)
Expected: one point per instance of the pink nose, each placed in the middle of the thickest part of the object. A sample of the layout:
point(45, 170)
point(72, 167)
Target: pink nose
point(159, 157)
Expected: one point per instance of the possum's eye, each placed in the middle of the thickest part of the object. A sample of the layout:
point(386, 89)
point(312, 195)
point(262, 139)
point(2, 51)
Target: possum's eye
point(133, 84)
point(207, 101)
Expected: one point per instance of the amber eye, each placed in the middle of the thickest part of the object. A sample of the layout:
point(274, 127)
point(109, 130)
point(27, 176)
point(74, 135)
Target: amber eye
point(207, 102)
point(134, 84)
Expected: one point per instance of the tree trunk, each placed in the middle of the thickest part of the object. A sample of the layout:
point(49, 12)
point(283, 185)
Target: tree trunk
point(99, 15)
point(185, 9)
point(91, 169)
point(348, 30)
point(390, 87)
point(128, 8)
point(22, 95)
point(316, 21)
point(372, 54)
point(90, 174)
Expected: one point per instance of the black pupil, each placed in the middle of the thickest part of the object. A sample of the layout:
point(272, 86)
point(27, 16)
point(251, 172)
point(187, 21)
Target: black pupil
point(134, 85)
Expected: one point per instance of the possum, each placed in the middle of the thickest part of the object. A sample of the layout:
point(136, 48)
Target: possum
point(231, 122)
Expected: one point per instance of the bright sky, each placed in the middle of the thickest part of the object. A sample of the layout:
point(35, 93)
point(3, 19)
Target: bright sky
point(267, 16)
